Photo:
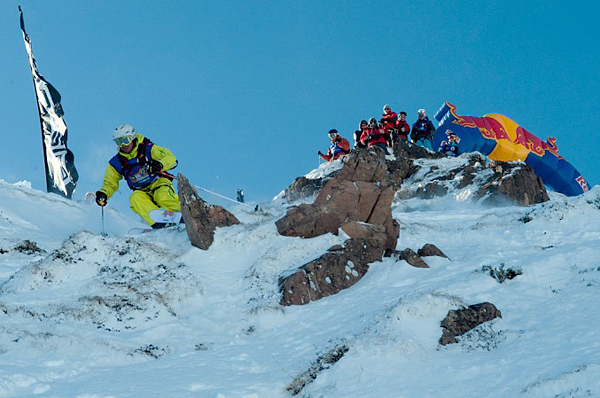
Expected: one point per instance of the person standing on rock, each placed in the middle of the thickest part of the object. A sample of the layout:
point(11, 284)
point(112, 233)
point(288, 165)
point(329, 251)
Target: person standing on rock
point(422, 131)
point(362, 126)
point(402, 127)
point(388, 122)
point(374, 135)
point(339, 146)
point(143, 165)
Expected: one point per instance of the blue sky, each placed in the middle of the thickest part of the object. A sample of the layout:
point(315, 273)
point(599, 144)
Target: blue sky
point(244, 93)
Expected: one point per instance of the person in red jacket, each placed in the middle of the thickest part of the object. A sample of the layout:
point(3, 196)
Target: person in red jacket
point(388, 122)
point(374, 135)
point(402, 127)
point(339, 146)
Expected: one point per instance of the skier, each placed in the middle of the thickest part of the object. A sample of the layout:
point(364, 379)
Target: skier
point(402, 127)
point(362, 126)
point(374, 135)
point(450, 147)
point(422, 131)
point(143, 164)
point(339, 146)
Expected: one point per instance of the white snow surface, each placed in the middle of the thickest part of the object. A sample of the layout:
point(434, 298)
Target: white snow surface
point(91, 316)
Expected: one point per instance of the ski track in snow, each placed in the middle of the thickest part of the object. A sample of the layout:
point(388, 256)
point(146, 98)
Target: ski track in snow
point(151, 316)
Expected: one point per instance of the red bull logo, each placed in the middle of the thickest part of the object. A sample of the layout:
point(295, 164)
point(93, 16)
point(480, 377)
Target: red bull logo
point(582, 183)
point(507, 133)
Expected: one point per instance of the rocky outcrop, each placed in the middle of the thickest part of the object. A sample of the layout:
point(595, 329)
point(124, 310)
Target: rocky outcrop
point(406, 149)
point(303, 187)
point(430, 250)
point(516, 182)
point(459, 322)
point(410, 257)
point(496, 183)
point(355, 195)
point(336, 270)
point(358, 202)
point(370, 166)
point(200, 218)
point(416, 259)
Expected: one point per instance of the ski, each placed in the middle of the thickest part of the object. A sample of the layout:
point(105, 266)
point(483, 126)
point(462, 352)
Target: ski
point(166, 216)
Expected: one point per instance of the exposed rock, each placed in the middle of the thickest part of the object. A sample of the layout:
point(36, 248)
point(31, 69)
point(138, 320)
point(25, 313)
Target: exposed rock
point(515, 182)
point(200, 218)
point(430, 250)
point(322, 362)
point(332, 272)
point(398, 170)
point(458, 322)
point(308, 221)
point(359, 201)
point(501, 274)
point(410, 257)
point(303, 187)
point(406, 149)
point(360, 230)
point(431, 190)
point(28, 247)
point(367, 165)
point(339, 202)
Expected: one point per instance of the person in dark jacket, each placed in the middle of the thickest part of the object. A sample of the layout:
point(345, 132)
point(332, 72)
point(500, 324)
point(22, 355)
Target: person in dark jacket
point(449, 147)
point(339, 146)
point(374, 135)
point(422, 131)
point(362, 126)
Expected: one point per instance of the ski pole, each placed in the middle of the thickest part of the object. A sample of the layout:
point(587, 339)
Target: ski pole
point(103, 232)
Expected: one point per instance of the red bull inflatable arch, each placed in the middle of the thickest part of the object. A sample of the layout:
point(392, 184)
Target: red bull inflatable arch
point(500, 138)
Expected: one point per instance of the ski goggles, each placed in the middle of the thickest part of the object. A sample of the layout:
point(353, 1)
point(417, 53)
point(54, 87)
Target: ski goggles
point(123, 141)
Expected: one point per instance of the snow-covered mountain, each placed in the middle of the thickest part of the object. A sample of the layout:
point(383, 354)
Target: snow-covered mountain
point(86, 315)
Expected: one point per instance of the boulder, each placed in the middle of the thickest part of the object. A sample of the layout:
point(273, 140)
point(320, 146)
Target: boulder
point(459, 322)
point(303, 187)
point(406, 149)
point(430, 250)
point(200, 218)
point(514, 182)
point(367, 165)
point(339, 202)
point(332, 272)
point(410, 257)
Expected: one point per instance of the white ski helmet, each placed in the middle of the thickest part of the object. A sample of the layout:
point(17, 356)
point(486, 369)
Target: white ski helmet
point(123, 134)
point(124, 130)
point(421, 112)
point(387, 107)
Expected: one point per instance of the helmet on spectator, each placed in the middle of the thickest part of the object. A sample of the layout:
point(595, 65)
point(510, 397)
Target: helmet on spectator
point(386, 108)
point(421, 112)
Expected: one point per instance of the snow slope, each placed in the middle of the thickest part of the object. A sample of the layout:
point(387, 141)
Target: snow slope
point(84, 315)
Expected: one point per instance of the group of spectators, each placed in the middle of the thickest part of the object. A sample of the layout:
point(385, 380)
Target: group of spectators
point(390, 129)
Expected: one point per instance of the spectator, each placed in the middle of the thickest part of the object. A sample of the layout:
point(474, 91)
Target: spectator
point(450, 146)
point(422, 131)
point(402, 127)
point(358, 133)
point(388, 121)
point(339, 146)
point(374, 135)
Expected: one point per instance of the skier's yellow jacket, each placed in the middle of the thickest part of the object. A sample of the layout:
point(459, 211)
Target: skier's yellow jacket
point(159, 194)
